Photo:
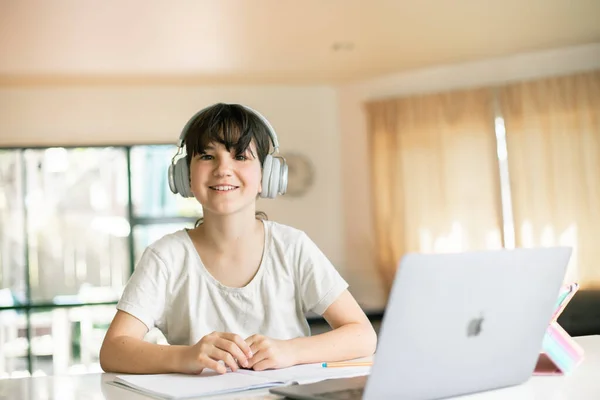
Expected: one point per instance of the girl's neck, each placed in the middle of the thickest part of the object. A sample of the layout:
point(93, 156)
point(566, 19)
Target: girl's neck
point(231, 232)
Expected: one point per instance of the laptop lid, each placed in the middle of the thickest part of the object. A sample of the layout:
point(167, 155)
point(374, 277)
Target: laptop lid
point(467, 322)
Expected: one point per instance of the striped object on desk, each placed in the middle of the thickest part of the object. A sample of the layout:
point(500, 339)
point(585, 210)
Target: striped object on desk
point(562, 350)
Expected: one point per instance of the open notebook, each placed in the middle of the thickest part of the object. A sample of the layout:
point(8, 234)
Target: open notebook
point(210, 383)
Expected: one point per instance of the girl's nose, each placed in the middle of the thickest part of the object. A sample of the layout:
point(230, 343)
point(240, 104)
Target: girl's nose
point(223, 166)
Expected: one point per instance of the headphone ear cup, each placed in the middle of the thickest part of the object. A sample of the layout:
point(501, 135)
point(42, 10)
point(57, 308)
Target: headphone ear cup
point(171, 178)
point(283, 176)
point(275, 175)
point(181, 178)
point(266, 176)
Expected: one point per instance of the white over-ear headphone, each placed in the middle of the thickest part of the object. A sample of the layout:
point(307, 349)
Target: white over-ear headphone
point(275, 170)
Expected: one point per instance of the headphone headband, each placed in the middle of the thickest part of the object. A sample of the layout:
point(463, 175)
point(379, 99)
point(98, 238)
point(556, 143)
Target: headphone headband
point(274, 168)
point(272, 133)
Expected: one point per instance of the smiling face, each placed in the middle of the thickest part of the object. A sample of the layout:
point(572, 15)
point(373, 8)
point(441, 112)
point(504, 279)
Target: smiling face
point(226, 182)
point(226, 146)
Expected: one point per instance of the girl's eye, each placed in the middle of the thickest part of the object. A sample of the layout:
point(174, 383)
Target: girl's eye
point(206, 157)
point(241, 157)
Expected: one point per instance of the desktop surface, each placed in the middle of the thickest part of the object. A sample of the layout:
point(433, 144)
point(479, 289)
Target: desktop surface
point(582, 384)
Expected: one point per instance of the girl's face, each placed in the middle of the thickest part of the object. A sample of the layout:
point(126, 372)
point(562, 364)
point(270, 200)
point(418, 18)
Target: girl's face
point(225, 182)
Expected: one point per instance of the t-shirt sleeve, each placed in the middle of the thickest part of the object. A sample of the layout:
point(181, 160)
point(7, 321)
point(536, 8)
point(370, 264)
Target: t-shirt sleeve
point(320, 283)
point(144, 296)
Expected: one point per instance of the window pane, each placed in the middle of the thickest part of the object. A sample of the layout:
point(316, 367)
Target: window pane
point(144, 235)
point(12, 229)
point(151, 195)
point(43, 342)
point(68, 340)
point(13, 344)
point(77, 223)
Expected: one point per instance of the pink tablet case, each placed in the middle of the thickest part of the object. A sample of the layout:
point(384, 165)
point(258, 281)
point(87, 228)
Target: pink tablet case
point(560, 353)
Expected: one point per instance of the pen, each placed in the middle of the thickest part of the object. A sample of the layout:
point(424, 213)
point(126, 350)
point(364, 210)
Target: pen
point(347, 364)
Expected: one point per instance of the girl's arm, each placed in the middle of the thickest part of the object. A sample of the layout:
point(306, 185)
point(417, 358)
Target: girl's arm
point(125, 351)
point(352, 336)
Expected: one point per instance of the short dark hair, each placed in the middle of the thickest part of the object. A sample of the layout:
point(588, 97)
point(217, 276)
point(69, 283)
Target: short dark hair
point(232, 125)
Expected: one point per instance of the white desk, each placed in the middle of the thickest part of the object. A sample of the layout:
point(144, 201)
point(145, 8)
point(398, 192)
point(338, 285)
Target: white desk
point(582, 384)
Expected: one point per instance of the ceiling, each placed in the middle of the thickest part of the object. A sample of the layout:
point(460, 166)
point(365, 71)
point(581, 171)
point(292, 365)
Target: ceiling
point(273, 41)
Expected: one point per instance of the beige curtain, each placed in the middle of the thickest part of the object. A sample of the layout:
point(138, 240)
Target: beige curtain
point(553, 141)
point(434, 172)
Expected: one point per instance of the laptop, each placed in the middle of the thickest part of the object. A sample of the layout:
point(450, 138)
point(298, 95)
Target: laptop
point(457, 324)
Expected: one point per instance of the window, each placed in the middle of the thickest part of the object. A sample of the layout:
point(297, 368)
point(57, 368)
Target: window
point(73, 223)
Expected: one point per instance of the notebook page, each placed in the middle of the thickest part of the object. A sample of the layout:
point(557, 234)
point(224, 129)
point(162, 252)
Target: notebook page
point(307, 373)
point(180, 386)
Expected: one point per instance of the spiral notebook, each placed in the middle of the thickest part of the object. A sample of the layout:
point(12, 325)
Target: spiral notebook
point(210, 383)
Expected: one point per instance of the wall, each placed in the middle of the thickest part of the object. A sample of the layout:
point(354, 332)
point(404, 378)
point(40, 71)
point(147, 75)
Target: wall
point(356, 186)
point(305, 119)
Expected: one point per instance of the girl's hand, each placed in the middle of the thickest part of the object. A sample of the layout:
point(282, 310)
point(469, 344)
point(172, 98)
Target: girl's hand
point(270, 353)
point(212, 348)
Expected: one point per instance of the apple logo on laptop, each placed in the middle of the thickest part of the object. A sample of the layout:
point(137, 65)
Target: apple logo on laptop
point(474, 326)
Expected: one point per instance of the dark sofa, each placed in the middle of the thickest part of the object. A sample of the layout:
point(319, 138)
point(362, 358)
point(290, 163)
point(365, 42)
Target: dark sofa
point(581, 317)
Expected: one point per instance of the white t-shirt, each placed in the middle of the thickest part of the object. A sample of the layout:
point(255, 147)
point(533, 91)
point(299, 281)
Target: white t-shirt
point(172, 290)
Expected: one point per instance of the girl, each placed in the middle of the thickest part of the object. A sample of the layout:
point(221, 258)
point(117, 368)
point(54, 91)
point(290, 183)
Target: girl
point(232, 292)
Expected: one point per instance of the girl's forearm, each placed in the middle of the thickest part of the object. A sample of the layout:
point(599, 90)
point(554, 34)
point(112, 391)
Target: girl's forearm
point(344, 343)
point(125, 354)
